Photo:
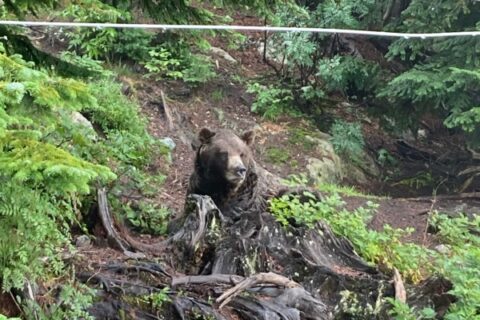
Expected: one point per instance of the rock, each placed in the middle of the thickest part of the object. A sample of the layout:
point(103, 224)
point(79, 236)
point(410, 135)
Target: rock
point(134, 255)
point(422, 134)
point(83, 241)
point(442, 248)
point(323, 171)
point(169, 143)
point(327, 168)
point(220, 114)
point(78, 118)
point(272, 54)
point(223, 54)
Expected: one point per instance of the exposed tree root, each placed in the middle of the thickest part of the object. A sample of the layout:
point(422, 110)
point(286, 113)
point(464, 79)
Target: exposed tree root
point(253, 268)
point(258, 279)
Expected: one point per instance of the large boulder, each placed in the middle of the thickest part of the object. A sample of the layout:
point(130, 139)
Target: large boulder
point(327, 167)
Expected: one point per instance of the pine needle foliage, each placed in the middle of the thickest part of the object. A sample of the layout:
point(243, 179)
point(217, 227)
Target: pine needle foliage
point(445, 72)
point(41, 181)
point(49, 160)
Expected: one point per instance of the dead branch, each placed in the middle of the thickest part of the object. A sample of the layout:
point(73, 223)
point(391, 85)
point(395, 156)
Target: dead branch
point(208, 279)
point(107, 221)
point(475, 155)
point(122, 239)
point(166, 109)
point(400, 293)
point(459, 196)
point(469, 170)
point(261, 278)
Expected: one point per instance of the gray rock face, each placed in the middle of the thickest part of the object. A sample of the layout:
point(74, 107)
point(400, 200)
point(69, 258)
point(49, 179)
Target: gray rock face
point(223, 54)
point(169, 143)
point(78, 118)
point(328, 167)
point(82, 241)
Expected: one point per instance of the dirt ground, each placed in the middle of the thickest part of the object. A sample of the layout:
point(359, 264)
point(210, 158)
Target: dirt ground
point(224, 103)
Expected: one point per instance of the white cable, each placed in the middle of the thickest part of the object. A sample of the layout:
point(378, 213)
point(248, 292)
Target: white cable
point(239, 28)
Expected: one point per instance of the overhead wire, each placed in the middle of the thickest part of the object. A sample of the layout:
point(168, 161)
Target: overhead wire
point(239, 28)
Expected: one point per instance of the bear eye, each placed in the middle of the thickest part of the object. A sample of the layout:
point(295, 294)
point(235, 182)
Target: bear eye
point(242, 154)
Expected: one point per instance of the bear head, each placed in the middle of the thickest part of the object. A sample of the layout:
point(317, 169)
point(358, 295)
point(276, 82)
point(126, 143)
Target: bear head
point(223, 159)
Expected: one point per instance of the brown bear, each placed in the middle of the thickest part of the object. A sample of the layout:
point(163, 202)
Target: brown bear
point(226, 171)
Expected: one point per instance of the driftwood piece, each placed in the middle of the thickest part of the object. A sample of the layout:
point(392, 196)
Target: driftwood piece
point(212, 279)
point(261, 278)
point(107, 222)
point(166, 109)
point(400, 293)
point(121, 239)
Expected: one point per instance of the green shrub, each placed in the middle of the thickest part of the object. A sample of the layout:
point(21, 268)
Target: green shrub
point(352, 76)
point(74, 298)
point(148, 218)
point(161, 64)
point(49, 163)
point(402, 311)
point(200, 70)
point(459, 263)
point(277, 155)
point(347, 140)
point(42, 182)
point(380, 247)
point(106, 43)
point(270, 102)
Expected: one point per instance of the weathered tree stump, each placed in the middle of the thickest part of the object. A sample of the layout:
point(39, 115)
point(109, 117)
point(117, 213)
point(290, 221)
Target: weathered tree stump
point(251, 267)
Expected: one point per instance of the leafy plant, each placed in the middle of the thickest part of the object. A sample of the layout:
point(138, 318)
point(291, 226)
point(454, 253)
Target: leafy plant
point(270, 102)
point(347, 140)
point(402, 311)
point(49, 161)
point(161, 64)
point(380, 247)
point(148, 218)
point(385, 158)
point(2, 317)
point(87, 63)
point(419, 180)
point(296, 180)
point(385, 248)
point(158, 299)
point(42, 181)
point(73, 300)
point(199, 70)
point(460, 264)
point(106, 42)
point(277, 155)
point(299, 136)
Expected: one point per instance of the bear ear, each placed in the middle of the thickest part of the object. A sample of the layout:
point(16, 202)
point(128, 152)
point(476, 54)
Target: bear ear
point(248, 137)
point(205, 135)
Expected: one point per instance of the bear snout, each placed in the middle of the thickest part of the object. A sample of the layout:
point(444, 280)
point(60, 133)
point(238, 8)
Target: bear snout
point(241, 171)
point(237, 170)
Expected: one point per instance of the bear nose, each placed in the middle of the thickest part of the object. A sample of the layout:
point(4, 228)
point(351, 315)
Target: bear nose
point(241, 170)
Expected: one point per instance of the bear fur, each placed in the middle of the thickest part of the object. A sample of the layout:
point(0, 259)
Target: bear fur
point(226, 171)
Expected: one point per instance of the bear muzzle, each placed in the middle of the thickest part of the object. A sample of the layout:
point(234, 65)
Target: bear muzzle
point(237, 171)
point(241, 171)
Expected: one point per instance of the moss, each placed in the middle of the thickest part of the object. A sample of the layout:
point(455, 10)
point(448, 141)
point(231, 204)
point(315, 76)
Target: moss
point(277, 155)
point(298, 137)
